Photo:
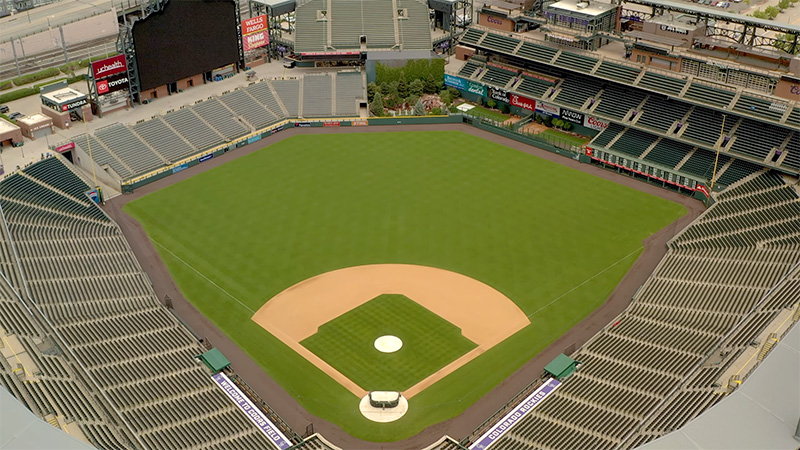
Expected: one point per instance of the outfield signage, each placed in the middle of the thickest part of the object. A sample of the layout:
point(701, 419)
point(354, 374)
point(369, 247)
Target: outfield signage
point(501, 95)
point(523, 102)
point(331, 124)
point(112, 84)
point(94, 195)
point(74, 105)
point(548, 109)
point(255, 40)
point(572, 116)
point(254, 414)
point(595, 123)
point(359, 123)
point(205, 158)
point(180, 167)
point(465, 85)
point(255, 138)
point(109, 66)
point(521, 410)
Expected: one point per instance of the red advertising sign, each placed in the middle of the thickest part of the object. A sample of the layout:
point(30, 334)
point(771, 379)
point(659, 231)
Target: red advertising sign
point(595, 123)
point(112, 84)
point(255, 40)
point(588, 151)
point(330, 124)
point(258, 23)
point(704, 190)
point(65, 147)
point(109, 66)
point(523, 102)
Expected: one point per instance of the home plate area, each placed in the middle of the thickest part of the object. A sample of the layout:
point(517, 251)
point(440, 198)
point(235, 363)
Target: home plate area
point(383, 406)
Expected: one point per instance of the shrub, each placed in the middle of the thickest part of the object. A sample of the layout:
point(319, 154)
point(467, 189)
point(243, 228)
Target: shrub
point(417, 88)
point(445, 97)
point(505, 109)
point(419, 108)
point(372, 88)
point(491, 103)
point(5, 85)
point(376, 107)
point(40, 75)
point(17, 94)
point(436, 112)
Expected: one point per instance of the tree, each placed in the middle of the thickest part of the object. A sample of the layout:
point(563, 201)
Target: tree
point(419, 108)
point(436, 112)
point(390, 101)
point(445, 97)
point(505, 109)
point(402, 83)
point(783, 4)
point(454, 93)
point(771, 11)
point(372, 88)
point(430, 84)
point(417, 88)
point(491, 103)
point(759, 14)
point(376, 107)
point(384, 88)
point(412, 100)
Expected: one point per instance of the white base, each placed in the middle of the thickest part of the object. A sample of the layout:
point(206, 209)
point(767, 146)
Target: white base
point(383, 415)
point(388, 344)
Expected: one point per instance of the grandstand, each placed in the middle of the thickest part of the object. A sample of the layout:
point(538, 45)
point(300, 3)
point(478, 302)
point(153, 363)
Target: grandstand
point(129, 151)
point(361, 25)
point(102, 356)
point(676, 350)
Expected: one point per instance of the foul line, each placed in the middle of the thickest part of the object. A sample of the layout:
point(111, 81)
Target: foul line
point(585, 281)
point(201, 274)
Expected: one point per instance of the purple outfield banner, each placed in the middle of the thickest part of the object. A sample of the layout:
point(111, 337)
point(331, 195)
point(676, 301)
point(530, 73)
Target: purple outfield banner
point(515, 415)
point(250, 410)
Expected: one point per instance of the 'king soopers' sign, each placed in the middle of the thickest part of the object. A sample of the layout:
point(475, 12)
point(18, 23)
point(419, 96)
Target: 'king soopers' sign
point(253, 413)
point(520, 411)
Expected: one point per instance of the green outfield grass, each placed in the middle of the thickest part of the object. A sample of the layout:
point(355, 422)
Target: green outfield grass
point(347, 343)
point(554, 240)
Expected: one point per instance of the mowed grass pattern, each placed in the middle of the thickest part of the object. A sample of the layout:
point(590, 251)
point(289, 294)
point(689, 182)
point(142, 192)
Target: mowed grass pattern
point(429, 343)
point(554, 240)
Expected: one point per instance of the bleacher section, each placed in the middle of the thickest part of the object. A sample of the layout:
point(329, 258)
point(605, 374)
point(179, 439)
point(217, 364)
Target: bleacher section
point(497, 76)
point(668, 153)
point(193, 129)
point(608, 134)
point(349, 88)
point(616, 102)
point(214, 113)
point(246, 107)
point(666, 358)
point(83, 276)
point(661, 83)
point(759, 106)
point(704, 93)
point(756, 139)
point(534, 86)
point(338, 26)
point(659, 114)
point(152, 144)
point(623, 74)
point(575, 90)
point(317, 95)
point(576, 62)
point(633, 142)
point(704, 126)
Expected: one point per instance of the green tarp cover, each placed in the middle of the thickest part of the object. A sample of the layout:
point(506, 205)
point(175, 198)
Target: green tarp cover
point(215, 360)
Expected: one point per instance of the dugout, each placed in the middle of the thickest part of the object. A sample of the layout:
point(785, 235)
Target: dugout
point(561, 367)
point(214, 360)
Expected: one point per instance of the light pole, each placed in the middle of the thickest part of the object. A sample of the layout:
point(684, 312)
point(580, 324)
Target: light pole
point(719, 147)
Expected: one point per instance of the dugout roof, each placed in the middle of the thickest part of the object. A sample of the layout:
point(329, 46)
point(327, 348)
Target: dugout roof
point(561, 367)
point(215, 360)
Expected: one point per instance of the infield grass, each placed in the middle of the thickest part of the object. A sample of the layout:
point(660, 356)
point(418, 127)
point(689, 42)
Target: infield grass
point(554, 240)
point(429, 343)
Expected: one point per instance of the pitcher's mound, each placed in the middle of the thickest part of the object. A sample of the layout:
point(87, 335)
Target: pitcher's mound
point(383, 415)
point(388, 344)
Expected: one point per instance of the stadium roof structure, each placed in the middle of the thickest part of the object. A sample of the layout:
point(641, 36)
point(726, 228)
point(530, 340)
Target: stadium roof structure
point(21, 430)
point(716, 13)
point(360, 25)
point(761, 414)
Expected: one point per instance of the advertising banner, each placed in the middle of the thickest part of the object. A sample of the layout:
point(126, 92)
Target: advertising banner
point(501, 95)
point(180, 167)
point(109, 66)
point(65, 147)
point(258, 23)
point(251, 411)
point(255, 138)
point(456, 82)
point(74, 105)
point(359, 123)
point(548, 109)
point(112, 84)
point(572, 116)
point(255, 40)
point(520, 411)
point(302, 124)
point(523, 102)
point(595, 123)
point(205, 158)
point(94, 194)
point(330, 124)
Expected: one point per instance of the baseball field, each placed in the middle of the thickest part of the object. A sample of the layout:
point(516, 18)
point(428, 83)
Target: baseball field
point(475, 255)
